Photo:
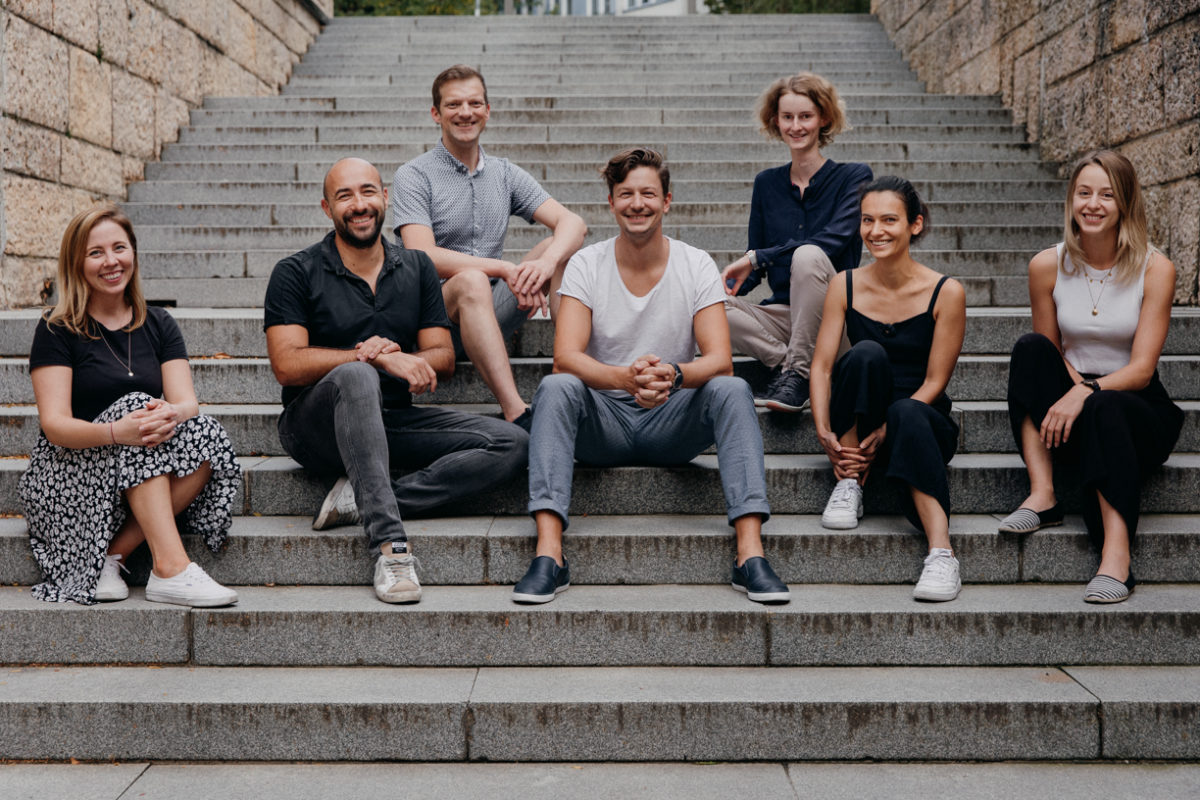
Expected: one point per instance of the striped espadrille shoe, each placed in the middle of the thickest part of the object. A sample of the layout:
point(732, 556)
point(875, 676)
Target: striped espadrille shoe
point(1026, 520)
point(1106, 589)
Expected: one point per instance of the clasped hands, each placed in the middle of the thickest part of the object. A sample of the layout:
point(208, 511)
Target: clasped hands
point(149, 426)
point(527, 281)
point(852, 462)
point(649, 380)
point(383, 353)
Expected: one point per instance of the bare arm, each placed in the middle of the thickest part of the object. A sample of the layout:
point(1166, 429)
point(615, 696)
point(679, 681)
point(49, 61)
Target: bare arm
point(451, 262)
point(1153, 321)
point(950, 321)
point(711, 329)
point(820, 375)
point(567, 232)
point(572, 332)
point(294, 362)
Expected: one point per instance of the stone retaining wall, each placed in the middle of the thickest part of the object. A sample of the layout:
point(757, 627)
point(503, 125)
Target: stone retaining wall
point(91, 89)
point(1081, 74)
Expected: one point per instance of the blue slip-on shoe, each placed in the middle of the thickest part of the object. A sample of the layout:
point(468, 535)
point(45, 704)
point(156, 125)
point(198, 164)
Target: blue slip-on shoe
point(760, 583)
point(543, 580)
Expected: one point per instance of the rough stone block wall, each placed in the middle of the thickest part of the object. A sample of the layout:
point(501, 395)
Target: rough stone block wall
point(90, 90)
point(1081, 74)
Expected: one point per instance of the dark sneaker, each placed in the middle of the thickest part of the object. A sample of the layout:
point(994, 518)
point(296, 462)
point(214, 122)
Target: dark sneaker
point(543, 580)
point(525, 420)
point(760, 583)
point(790, 393)
point(764, 394)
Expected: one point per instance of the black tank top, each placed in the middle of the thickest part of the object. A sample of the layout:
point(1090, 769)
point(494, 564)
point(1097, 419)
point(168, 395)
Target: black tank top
point(907, 343)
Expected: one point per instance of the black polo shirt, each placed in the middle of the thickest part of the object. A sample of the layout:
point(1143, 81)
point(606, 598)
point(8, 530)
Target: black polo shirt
point(313, 288)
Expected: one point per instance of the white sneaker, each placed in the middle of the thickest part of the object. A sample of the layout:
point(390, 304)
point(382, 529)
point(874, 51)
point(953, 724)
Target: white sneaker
point(339, 507)
point(192, 587)
point(396, 578)
point(939, 580)
point(844, 509)
point(111, 585)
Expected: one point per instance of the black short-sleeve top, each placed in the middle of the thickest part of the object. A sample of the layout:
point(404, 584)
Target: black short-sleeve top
point(100, 367)
point(314, 289)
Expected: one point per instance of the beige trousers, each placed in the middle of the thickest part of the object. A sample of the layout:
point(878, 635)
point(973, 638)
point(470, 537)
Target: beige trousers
point(780, 334)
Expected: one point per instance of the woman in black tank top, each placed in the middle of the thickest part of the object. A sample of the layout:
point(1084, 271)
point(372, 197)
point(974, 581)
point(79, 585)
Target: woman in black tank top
point(882, 409)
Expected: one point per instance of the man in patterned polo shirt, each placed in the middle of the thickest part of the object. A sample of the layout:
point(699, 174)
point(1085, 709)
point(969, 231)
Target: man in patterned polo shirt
point(454, 202)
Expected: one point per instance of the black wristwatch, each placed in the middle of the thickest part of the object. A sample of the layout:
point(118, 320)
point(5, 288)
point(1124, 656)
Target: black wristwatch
point(1092, 384)
point(678, 382)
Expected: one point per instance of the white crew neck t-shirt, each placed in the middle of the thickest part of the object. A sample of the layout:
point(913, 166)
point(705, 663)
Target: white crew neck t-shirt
point(625, 326)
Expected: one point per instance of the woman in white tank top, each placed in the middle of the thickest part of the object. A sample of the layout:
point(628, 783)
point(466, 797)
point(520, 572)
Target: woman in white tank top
point(1083, 387)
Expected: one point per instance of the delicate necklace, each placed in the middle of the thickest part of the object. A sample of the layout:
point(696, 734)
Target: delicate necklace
point(1096, 297)
point(129, 336)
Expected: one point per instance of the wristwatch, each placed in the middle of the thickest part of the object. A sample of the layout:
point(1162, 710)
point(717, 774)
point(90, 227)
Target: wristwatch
point(678, 382)
point(1092, 384)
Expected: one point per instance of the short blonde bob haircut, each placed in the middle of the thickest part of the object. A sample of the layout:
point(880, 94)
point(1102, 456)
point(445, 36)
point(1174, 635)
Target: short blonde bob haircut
point(73, 291)
point(1133, 238)
point(815, 88)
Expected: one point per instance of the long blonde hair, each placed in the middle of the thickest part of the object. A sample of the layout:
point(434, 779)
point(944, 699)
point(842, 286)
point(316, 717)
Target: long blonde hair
point(73, 291)
point(1133, 239)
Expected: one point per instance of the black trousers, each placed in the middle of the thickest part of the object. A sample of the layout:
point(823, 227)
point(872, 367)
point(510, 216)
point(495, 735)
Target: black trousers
point(1118, 438)
point(921, 439)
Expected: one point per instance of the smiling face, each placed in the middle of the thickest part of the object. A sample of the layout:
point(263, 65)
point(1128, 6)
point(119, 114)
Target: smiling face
point(1093, 202)
point(638, 203)
point(356, 202)
point(799, 122)
point(109, 261)
point(884, 225)
point(463, 112)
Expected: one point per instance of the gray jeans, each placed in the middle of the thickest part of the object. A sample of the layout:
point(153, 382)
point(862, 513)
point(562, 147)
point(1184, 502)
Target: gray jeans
point(571, 420)
point(339, 427)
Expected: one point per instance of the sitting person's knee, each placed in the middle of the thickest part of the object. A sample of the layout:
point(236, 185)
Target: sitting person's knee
point(866, 352)
point(468, 285)
point(558, 385)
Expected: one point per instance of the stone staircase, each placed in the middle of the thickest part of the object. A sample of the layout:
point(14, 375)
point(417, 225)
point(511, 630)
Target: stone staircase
point(650, 657)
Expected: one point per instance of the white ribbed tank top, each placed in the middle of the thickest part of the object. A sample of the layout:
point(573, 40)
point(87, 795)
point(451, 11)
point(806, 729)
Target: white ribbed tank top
point(1099, 343)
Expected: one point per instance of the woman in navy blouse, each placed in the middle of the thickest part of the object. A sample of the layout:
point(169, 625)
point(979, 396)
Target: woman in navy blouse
point(803, 229)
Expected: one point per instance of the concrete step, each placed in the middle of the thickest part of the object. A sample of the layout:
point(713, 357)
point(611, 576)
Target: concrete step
point(796, 484)
point(328, 152)
point(419, 115)
point(615, 626)
point(578, 77)
point(314, 170)
point(252, 428)
point(686, 549)
point(232, 215)
point(529, 133)
point(250, 380)
point(386, 86)
point(712, 236)
point(574, 191)
point(552, 781)
point(602, 714)
point(404, 100)
point(814, 56)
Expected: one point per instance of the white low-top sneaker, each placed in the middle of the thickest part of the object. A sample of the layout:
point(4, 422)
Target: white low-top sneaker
point(845, 508)
point(396, 577)
point(338, 508)
point(939, 580)
point(111, 585)
point(192, 587)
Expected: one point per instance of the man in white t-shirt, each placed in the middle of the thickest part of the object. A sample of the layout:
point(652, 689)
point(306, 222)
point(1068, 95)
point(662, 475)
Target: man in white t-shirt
point(629, 388)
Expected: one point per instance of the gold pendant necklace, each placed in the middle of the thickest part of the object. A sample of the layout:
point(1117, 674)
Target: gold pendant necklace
point(1090, 280)
point(129, 336)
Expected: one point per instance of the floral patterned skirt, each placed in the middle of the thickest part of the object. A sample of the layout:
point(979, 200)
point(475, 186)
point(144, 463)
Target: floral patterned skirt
point(74, 499)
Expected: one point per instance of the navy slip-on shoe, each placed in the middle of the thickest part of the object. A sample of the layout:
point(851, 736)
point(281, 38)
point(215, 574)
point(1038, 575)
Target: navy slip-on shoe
point(759, 582)
point(524, 421)
point(543, 580)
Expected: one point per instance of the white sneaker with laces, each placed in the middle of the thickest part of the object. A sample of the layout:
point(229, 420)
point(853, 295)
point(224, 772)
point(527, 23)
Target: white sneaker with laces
point(845, 507)
point(939, 580)
point(193, 587)
point(339, 507)
point(396, 578)
point(111, 585)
